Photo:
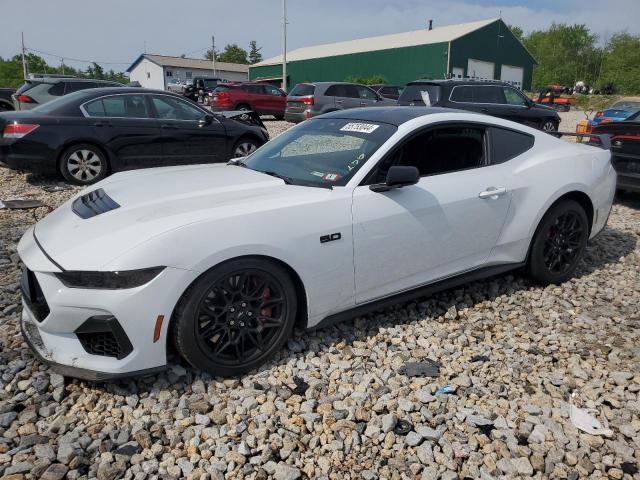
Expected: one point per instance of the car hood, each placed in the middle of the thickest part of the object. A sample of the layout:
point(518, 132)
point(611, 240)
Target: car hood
point(152, 202)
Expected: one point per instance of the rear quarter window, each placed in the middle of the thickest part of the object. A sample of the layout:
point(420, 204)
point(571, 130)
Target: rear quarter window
point(417, 94)
point(508, 144)
point(57, 89)
point(302, 90)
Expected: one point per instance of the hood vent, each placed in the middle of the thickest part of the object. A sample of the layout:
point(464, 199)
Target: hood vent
point(93, 203)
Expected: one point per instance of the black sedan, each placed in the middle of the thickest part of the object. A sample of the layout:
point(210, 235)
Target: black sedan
point(89, 134)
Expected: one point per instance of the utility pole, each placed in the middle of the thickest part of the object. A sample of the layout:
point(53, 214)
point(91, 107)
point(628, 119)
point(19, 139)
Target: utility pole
point(213, 54)
point(63, 66)
point(284, 45)
point(24, 62)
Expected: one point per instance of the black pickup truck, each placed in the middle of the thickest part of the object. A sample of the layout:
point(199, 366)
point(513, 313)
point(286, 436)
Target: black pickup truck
point(6, 101)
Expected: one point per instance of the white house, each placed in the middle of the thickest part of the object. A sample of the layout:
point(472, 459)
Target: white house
point(156, 71)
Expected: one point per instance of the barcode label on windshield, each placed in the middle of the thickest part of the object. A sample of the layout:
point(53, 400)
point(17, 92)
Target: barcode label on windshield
point(359, 127)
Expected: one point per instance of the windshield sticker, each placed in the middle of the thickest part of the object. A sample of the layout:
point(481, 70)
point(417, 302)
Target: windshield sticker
point(317, 174)
point(426, 98)
point(332, 177)
point(359, 127)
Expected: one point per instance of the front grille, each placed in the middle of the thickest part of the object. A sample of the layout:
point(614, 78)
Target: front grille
point(104, 336)
point(33, 296)
point(93, 203)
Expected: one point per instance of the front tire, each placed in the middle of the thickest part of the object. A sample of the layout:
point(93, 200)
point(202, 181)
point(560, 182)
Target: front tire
point(558, 243)
point(236, 317)
point(244, 147)
point(83, 164)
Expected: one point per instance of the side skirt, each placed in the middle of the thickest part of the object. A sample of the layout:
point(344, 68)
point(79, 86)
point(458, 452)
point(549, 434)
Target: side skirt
point(422, 291)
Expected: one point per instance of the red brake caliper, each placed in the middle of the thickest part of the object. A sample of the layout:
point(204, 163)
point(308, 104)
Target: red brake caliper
point(267, 311)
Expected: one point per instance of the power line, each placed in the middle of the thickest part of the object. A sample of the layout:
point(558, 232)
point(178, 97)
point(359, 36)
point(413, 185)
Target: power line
point(74, 59)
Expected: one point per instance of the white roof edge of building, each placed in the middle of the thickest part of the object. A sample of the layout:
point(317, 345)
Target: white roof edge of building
point(443, 34)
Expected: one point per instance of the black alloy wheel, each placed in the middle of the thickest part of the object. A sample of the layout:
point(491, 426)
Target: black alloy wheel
point(558, 243)
point(236, 317)
point(563, 243)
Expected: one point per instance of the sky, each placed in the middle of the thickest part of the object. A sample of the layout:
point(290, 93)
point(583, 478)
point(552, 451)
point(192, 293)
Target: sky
point(115, 32)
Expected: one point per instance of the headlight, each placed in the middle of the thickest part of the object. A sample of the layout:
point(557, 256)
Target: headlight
point(109, 280)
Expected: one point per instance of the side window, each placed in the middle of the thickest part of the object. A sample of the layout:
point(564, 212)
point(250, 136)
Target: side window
point(76, 86)
point(333, 90)
point(366, 93)
point(57, 89)
point(461, 94)
point(271, 90)
point(438, 151)
point(508, 144)
point(513, 97)
point(118, 106)
point(176, 109)
point(487, 94)
point(257, 89)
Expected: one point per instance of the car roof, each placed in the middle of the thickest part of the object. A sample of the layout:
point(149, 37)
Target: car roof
point(393, 115)
point(458, 81)
point(116, 90)
point(66, 79)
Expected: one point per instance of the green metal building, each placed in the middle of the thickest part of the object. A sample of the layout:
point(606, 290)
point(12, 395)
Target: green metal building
point(485, 50)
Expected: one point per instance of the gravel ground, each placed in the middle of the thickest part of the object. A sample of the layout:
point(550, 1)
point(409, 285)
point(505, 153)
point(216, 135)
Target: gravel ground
point(333, 404)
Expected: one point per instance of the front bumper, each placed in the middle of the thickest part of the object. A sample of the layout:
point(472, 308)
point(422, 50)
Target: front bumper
point(58, 322)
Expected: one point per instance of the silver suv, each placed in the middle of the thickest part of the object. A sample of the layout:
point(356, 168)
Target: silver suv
point(308, 100)
point(39, 90)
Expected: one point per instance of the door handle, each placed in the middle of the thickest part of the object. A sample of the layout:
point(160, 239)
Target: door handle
point(167, 125)
point(98, 124)
point(338, 101)
point(363, 103)
point(484, 110)
point(492, 193)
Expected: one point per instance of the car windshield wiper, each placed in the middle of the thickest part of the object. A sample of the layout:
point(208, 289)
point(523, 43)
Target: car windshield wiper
point(237, 162)
point(287, 180)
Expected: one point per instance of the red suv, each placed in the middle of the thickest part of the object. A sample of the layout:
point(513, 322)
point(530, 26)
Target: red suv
point(263, 98)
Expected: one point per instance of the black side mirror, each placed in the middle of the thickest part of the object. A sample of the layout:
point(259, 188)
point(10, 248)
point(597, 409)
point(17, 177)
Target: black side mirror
point(397, 177)
point(206, 120)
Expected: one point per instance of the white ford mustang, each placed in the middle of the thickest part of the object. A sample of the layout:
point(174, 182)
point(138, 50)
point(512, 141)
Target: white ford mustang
point(339, 215)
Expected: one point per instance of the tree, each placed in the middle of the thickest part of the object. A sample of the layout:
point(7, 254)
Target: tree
point(565, 54)
point(517, 32)
point(621, 63)
point(372, 80)
point(95, 71)
point(254, 52)
point(232, 53)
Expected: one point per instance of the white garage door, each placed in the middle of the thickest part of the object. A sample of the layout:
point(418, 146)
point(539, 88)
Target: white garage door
point(479, 69)
point(513, 75)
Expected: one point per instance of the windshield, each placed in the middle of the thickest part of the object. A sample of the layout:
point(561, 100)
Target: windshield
point(625, 105)
point(321, 152)
point(420, 94)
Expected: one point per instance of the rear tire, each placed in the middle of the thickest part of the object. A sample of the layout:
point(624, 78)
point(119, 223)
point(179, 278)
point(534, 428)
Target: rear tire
point(236, 317)
point(83, 164)
point(549, 126)
point(243, 107)
point(558, 243)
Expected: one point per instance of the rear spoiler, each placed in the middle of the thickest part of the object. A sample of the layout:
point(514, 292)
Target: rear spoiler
point(245, 116)
point(603, 140)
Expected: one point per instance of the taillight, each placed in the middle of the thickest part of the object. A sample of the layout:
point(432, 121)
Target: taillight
point(18, 130)
point(25, 99)
point(599, 114)
point(307, 100)
point(606, 120)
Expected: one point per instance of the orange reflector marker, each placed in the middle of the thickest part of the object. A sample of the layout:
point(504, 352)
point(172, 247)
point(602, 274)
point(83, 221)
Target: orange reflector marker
point(158, 329)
